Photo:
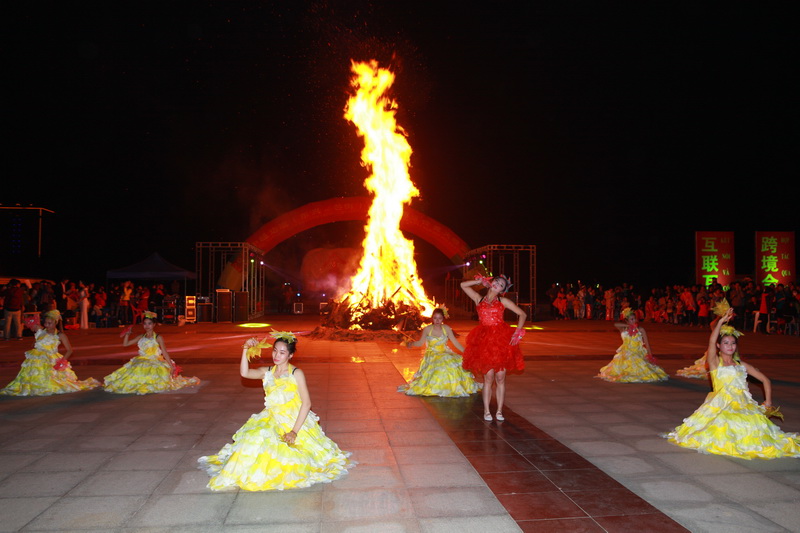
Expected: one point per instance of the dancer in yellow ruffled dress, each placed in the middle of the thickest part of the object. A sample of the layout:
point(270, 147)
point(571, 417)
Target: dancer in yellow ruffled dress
point(45, 371)
point(440, 372)
point(730, 422)
point(153, 370)
point(634, 361)
point(282, 447)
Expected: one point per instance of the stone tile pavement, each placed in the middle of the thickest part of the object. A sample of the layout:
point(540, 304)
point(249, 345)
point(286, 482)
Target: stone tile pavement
point(96, 461)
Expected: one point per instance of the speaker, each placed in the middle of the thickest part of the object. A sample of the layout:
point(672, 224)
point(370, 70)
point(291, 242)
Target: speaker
point(240, 313)
point(224, 303)
point(190, 309)
point(204, 312)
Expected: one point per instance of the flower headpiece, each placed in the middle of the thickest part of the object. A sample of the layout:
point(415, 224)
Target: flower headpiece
point(55, 314)
point(444, 310)
point(507, 280)
point(726, 330)
point(721, 307)
point(626, 313)
point(285, 336)
point(149, 314)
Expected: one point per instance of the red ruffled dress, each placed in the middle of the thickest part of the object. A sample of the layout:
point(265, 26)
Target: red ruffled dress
point(488, 345)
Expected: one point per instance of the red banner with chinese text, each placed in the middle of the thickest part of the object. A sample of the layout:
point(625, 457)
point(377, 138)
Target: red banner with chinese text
point(714, 260)
point(775, 257)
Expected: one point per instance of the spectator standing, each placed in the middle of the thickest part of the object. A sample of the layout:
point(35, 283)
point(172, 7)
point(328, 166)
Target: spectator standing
point(61, 290)
point(13, 303)
point(143, 300)
point(552, 293)
point(157, 295)
point(689, 306)
point(47, 298)
point(125, 296)
point(703, 310)
point(83, 305)
point(99, 303)
point(72, 299)
point(588, 300)
point(764, 308)
point(780, 300)
point(610, 297)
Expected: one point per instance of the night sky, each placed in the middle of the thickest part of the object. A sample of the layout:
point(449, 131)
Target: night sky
point(604, 136)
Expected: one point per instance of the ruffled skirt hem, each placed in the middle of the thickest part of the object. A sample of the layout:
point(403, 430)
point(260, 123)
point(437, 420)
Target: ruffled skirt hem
point(258, 460)
point(488, 348)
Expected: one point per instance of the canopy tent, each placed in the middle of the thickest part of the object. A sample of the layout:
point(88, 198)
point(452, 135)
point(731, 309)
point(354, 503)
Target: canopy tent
point(154, 267)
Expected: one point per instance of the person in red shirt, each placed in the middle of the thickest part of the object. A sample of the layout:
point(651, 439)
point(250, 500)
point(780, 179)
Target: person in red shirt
point(689, 306)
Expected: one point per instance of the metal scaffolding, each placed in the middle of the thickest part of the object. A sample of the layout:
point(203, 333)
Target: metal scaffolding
point(517, 261)
point(236, 266)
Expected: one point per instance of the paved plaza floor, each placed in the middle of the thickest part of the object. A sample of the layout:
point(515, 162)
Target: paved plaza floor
point(574, 454)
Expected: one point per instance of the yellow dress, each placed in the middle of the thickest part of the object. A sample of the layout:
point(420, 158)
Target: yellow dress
point(37, 377)
point(699, 370)
point(259, 460)
point(146, 373)
point(440, 373)
point(630, 364)
point(731, 423)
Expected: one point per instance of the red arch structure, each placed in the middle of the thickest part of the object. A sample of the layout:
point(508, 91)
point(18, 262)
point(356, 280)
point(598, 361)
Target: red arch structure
point(356, 208)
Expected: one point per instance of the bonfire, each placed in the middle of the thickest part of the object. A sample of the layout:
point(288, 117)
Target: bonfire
point(386, 292)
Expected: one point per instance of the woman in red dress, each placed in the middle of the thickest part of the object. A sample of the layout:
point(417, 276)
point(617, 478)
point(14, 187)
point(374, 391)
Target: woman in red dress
point(493, 347)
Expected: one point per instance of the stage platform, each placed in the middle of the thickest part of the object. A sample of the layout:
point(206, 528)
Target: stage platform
point(574, 454)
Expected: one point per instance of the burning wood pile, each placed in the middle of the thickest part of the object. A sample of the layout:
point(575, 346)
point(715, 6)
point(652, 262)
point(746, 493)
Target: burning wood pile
point(398, 317)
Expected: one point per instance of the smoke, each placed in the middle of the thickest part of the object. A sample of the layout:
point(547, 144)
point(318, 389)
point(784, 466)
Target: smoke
point(263, 205)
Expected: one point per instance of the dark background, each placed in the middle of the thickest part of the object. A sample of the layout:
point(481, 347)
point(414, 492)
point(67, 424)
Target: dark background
point(605, 136)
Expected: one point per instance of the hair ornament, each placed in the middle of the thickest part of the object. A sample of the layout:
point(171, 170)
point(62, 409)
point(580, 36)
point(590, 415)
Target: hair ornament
point(55, 314)
point(149, 314)
point(285, 336)
point(444, 310)
point(627, 312)
point(726, 330)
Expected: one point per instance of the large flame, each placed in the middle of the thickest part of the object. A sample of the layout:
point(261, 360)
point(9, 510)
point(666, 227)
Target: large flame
point(388, 272)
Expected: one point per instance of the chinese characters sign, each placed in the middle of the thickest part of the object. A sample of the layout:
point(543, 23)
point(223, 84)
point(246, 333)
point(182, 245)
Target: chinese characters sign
point(775, 257)
point(714, 259)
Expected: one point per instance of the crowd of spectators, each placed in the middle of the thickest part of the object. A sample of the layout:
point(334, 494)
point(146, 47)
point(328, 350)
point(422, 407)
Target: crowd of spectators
point(82, 304)
point(766, 308)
